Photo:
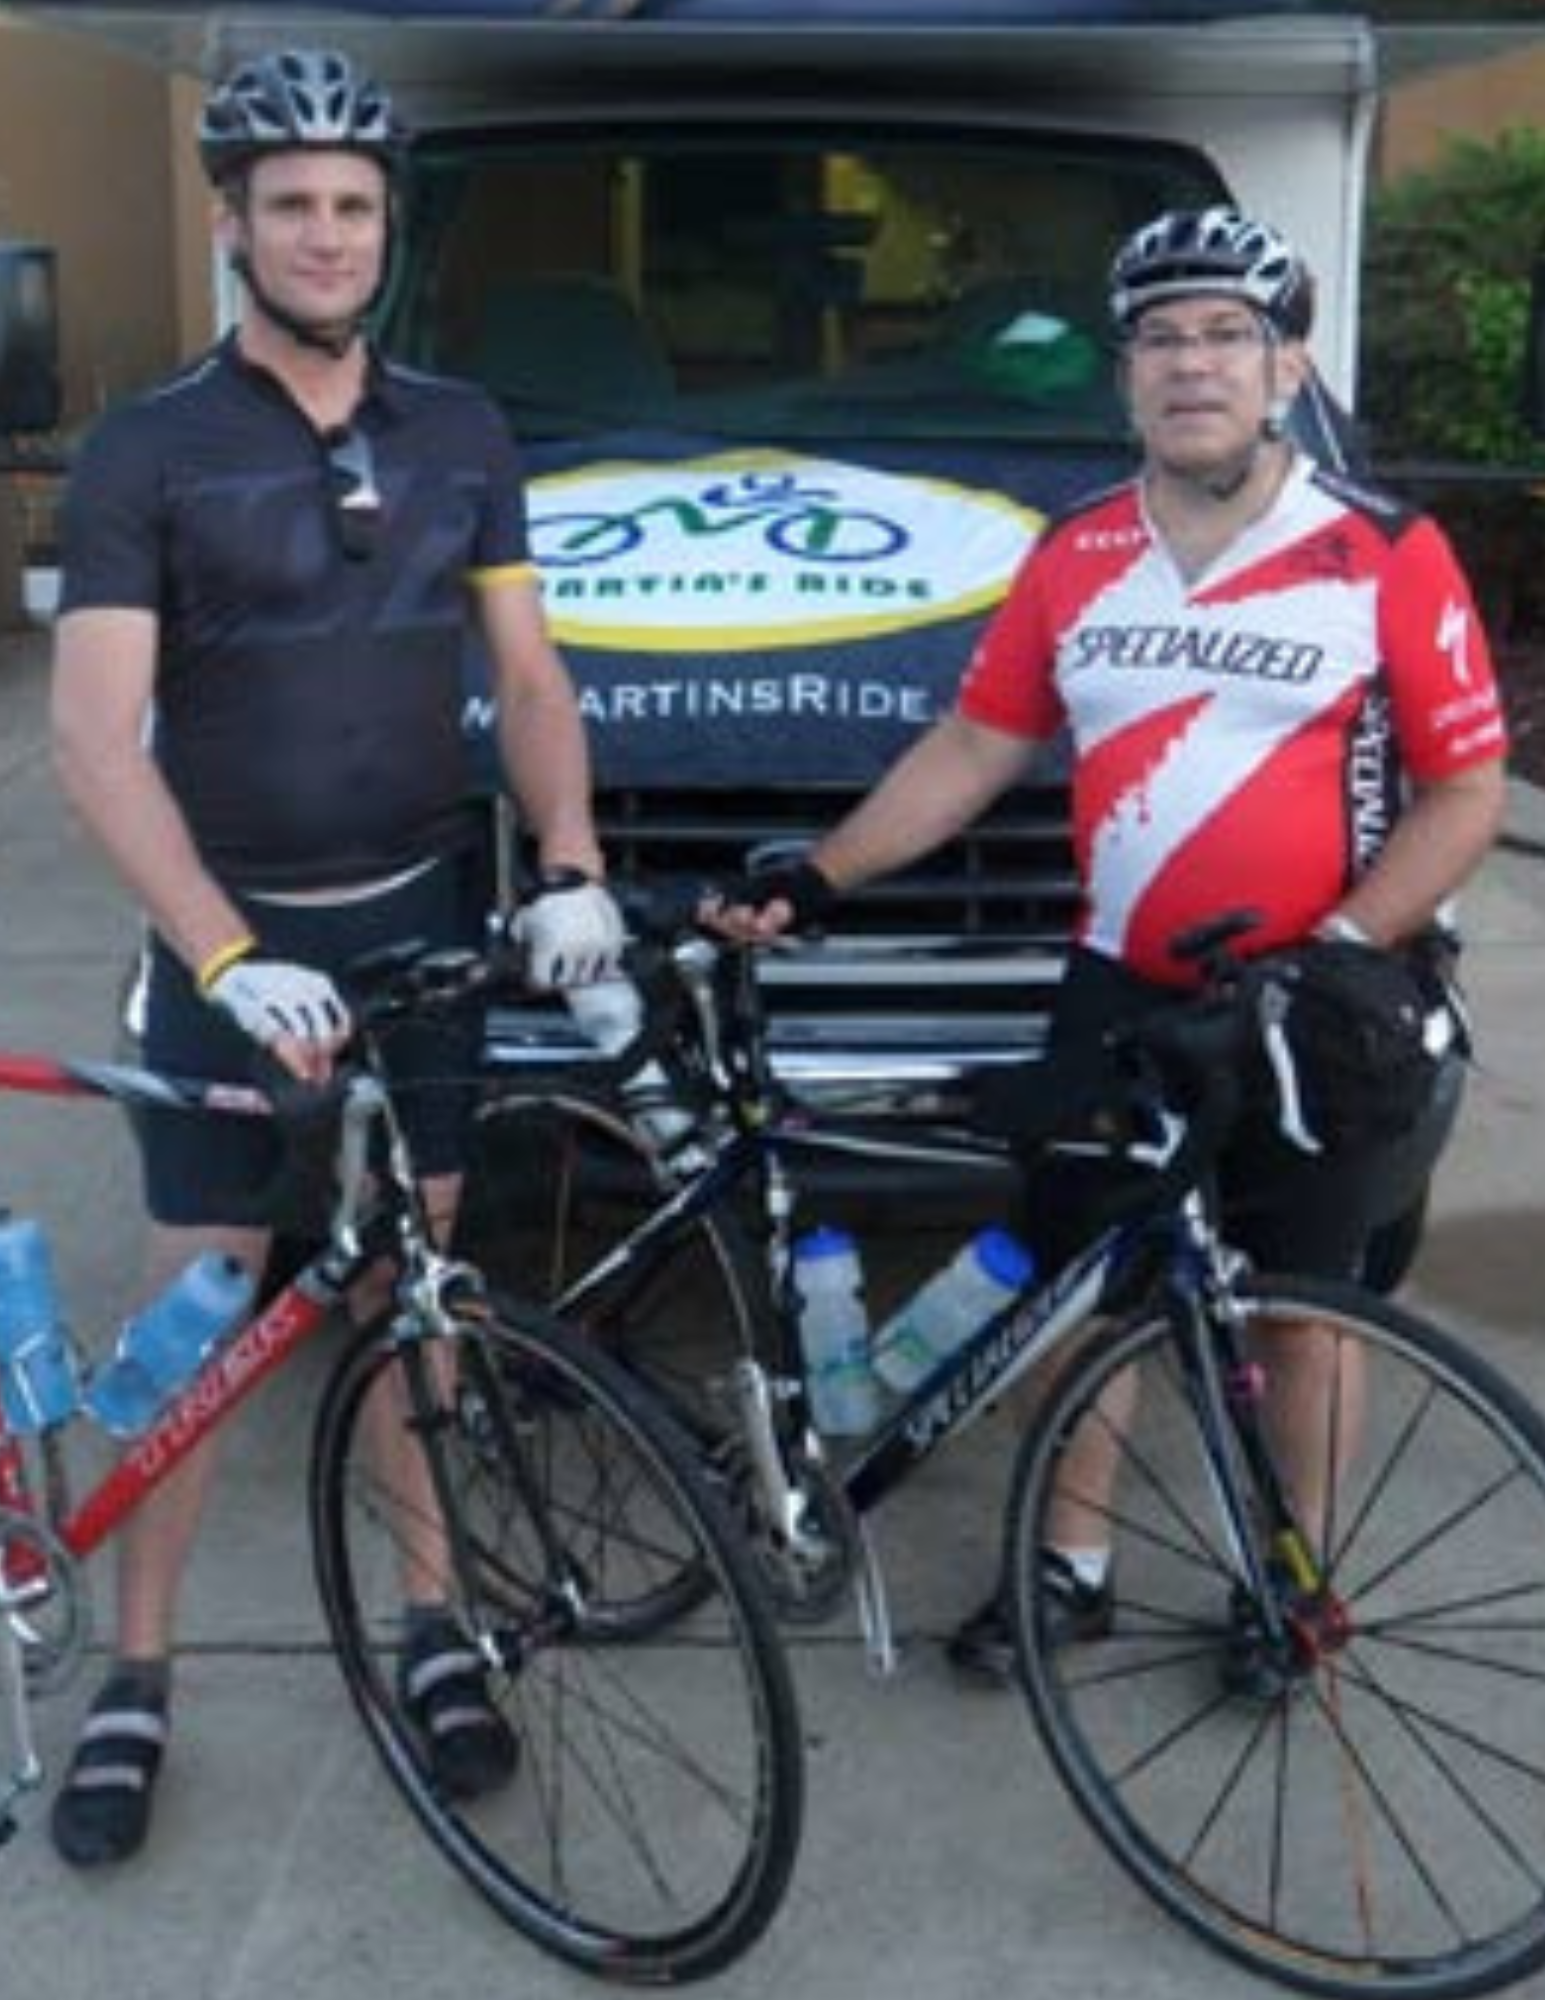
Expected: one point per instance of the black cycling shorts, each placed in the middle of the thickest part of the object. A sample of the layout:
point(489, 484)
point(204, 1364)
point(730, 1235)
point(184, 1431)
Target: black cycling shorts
point(202, 1169)
point(1290, 1211)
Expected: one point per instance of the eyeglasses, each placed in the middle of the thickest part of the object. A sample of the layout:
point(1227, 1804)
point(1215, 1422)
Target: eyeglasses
point(356, 497)
point(1223, 342)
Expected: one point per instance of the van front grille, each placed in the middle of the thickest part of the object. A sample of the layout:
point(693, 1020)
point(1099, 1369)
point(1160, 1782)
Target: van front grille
point(1008, 878)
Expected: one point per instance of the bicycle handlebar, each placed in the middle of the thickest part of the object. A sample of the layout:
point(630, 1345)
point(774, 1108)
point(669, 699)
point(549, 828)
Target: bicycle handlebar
point(1186, 1061)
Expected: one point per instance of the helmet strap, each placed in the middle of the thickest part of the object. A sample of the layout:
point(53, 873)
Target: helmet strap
point(1225, 485)
point(334, 341)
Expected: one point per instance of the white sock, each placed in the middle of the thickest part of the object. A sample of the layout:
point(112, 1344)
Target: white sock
point(1091, 1566)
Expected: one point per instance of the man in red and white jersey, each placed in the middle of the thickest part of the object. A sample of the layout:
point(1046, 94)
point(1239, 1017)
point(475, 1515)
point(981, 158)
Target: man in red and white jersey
point(1278, 696)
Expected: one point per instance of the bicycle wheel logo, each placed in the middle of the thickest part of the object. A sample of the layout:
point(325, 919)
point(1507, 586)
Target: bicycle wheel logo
point(751, 551)
point(773, 510)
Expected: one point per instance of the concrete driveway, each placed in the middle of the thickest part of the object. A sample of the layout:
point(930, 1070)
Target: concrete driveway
point(941, 1861)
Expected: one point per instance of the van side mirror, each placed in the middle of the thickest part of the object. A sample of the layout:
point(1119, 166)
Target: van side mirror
point(29, 339)
point(1534, 353)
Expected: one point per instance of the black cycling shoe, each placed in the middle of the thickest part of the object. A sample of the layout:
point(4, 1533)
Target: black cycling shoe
point(1076, 1612)
point(102, 1812)
point(443, 1685)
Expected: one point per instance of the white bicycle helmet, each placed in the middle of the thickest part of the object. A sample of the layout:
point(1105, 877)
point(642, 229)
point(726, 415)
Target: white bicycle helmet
point(1212, 251)
point(297, 98)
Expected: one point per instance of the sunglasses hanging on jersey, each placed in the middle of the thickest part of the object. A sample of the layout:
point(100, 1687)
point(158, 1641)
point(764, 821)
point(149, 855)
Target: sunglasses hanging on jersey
point(356, 497)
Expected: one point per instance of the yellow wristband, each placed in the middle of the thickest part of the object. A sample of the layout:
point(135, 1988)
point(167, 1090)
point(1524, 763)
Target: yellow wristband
point(222, 961)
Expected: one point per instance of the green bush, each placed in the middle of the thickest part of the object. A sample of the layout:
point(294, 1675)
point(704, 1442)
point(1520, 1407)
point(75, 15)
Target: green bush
point(1449, 260)
point(1446, 275)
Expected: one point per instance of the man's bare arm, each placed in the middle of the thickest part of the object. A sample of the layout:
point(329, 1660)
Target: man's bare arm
point(103, 680)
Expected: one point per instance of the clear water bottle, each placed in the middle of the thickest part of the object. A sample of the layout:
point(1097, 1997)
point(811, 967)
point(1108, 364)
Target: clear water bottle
point(954, 1304)
point(834, 1333)
point(609, 1013)
point(165, 1344)
point(38, 1381)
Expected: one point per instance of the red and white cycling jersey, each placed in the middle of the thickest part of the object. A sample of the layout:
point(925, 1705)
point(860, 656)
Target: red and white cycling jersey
point(1242, 739)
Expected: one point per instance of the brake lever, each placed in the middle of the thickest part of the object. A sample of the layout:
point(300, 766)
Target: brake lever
point(296, 1101)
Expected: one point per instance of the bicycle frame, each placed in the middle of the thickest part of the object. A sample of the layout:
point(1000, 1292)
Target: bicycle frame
point(1170, 1237)
point(1177, 1240)
point(34, 1532)
point(265, 1342)
point(492, 1507)
point(262, 1347)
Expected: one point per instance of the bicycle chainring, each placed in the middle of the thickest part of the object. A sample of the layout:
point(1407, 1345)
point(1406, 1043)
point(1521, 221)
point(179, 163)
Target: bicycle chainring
point(44, 1601)
point(809, 1573)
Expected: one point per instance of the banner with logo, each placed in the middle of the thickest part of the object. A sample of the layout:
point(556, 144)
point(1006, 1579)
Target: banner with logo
point(764, 616)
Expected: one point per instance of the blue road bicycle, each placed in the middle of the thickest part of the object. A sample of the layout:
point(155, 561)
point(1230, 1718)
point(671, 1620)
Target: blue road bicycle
point(1314, 1730)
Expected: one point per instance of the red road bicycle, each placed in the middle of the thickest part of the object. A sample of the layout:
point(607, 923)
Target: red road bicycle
point(651, 1827)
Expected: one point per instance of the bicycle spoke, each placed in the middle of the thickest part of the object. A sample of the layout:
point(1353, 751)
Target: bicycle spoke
point(1412, 1713)
point(651, 1822)
point(1445, 1613)
point(1437, 1532)
point(1196, 1530)
point(623, 1733)
point(1356, 1804)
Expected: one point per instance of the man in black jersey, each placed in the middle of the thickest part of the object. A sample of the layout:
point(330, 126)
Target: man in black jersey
point(269, 564)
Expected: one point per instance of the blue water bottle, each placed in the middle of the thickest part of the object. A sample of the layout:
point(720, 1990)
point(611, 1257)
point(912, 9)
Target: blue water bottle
point(164, 1345)
point(38, 1382)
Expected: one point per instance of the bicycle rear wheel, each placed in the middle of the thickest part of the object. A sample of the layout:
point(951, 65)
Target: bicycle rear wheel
point(651, 1826)
point(559, 1182)
point(1360, 1810)
point(558, 1179)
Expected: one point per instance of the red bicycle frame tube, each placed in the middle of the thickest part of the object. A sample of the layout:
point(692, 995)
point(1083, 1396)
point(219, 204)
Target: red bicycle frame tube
point(262, 1346)
point(46, 1076)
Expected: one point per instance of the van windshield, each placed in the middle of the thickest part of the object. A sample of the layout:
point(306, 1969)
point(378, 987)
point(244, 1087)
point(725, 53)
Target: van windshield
point(779, 286)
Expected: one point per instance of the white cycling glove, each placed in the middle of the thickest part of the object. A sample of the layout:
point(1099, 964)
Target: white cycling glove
point(570, 932)
point(267, 998)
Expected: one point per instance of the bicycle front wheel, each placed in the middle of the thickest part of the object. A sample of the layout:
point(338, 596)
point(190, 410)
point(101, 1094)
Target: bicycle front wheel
point(521, 1482)
point(1357, 1807)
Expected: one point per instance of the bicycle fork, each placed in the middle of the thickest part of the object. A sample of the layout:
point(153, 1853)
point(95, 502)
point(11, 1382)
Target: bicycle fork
point(1227, 1391)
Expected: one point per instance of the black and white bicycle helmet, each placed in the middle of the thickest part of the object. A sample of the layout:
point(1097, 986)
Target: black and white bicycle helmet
point(297, 98)
point(1212, 251)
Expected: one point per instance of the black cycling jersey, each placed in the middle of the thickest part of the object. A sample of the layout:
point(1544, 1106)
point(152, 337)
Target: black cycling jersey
point(309, 687)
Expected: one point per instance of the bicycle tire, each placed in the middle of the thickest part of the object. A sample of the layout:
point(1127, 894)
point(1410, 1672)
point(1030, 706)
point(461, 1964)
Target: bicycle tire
point(651, 1827)
point(1371, 1820)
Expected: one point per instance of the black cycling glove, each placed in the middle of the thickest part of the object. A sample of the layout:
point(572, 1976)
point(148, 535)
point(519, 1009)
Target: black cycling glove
point(800, 884)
